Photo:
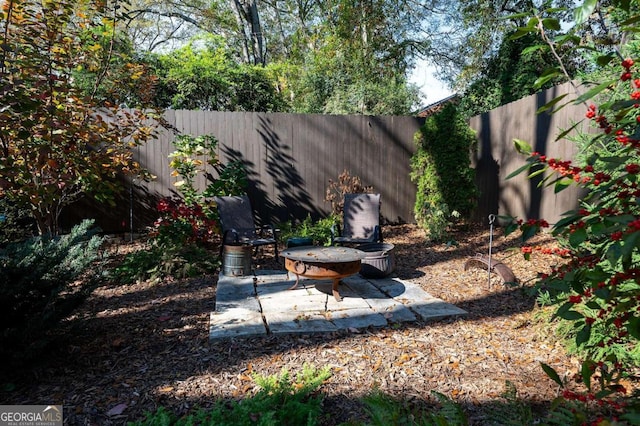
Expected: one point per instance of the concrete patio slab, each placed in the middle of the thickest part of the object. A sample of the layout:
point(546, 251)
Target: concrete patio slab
point(265, 304)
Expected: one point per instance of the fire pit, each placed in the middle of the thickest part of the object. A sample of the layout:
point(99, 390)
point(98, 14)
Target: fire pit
point(323, 263)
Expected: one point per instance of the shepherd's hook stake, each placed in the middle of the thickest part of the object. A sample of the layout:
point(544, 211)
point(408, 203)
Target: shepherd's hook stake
point(492, 219)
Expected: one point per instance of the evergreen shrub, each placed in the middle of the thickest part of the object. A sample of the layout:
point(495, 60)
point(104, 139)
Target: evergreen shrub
point(16, 223)
point(40, 285)
point(441, 168)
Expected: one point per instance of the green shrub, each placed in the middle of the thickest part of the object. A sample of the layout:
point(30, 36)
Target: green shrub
point(187, 227)
point(319, 232)
point(159, 261)
point(180, 223)
point(384, 410)
point(280, 401)
point(15, 223)
point(283, 402)
point(442, 171)
point(39, 285)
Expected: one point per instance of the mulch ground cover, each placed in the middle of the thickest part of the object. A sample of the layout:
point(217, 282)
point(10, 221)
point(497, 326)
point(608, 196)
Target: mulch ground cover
point(132, 348)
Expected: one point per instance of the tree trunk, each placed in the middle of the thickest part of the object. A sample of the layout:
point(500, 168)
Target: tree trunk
point(249, 22)
point(44, 222)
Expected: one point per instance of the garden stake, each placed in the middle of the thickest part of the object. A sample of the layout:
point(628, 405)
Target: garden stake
point(492, 218)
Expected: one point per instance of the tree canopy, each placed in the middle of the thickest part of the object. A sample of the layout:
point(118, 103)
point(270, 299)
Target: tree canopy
point(56, 142)
point(338, 56)
point(355, 56)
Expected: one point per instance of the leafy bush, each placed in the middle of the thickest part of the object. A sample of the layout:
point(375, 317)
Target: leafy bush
point(203, 75)
point(39, 285)
point(186, 164)
point(384, 410)
point(181, 224)
point(597, 289)
point(176, 247)
point(280, 401)
point(159, 261)
point(55, 146)
point(16, 224)
point(187, 227)
point(441, 169)
point(319, 232)
point(232, 180)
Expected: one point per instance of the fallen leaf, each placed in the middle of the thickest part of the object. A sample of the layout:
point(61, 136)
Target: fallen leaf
point(117, 410)
point(377, 364)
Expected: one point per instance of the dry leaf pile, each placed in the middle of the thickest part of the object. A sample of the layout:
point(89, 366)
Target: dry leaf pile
point(132, 348)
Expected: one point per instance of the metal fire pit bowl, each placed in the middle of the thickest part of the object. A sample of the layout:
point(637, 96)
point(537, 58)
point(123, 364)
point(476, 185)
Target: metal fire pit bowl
point(332, 263)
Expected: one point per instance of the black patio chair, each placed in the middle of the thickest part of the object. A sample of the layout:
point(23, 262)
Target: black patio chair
point(238, 226)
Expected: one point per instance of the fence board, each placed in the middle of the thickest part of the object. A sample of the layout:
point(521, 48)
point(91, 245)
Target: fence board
point(496, 157)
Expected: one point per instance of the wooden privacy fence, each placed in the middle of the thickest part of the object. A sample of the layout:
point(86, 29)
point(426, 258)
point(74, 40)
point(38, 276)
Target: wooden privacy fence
point(290, 159)
point(496, 156)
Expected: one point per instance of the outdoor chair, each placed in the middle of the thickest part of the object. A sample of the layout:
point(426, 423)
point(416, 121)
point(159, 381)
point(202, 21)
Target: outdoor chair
point(238, 226)
point(360, 220)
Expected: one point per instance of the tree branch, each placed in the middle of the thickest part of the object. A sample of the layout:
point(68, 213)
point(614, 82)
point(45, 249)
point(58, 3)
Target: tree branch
point(169, 14)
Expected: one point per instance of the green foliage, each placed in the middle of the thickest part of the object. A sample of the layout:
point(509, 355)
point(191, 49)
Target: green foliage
point(39, 286)
point(357, 64)
point(512, 411)
point(186, 163)
point(319, 231)
point(16, 223)
point(203, 75)
point(351, 83)
point(55, 148)
point(194, 216)
point(570, 408)
point(603, 407)
point(372, 98)
point(159, 261)
point(384, 410)
point(315, 57)
point(485, 28)
point(279, 401)
point(509, 75)
point(282, 401)
point(441, 169)
point(596, 292)
point(128, 81)
point(196, 155)
point(232, 180)
point(184, 234)
point(566, 330)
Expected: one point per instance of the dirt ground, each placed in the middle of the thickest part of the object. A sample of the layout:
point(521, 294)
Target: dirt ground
point(132, 348)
